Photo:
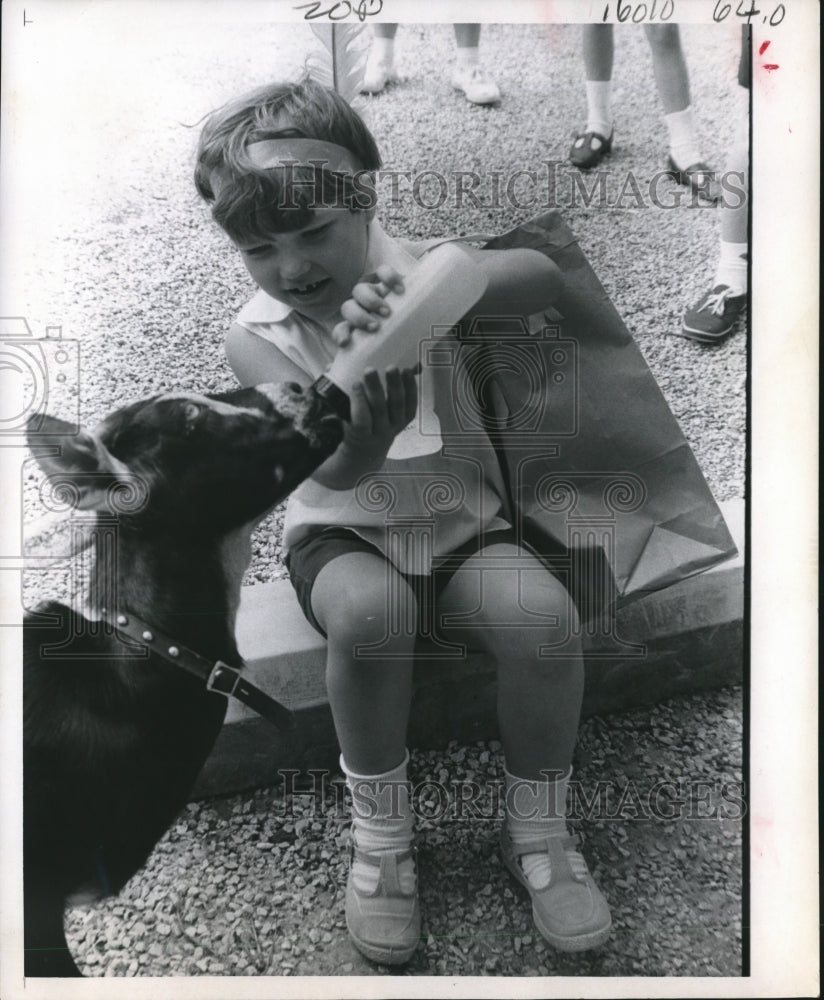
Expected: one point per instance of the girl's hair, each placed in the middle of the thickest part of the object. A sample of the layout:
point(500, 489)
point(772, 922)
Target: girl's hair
point(251, 203)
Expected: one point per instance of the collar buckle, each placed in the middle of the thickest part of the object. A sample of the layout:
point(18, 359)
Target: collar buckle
point(223, 679)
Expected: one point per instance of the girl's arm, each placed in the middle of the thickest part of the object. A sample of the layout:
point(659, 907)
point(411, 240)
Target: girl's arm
point(254, 361)
point(520, 282)
point(377, 416)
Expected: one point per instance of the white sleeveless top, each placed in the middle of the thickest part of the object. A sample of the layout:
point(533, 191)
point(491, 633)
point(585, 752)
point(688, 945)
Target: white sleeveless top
point(433, 493)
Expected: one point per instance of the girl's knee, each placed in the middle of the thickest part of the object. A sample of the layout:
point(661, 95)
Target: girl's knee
point(369, 608)
point(522, 612)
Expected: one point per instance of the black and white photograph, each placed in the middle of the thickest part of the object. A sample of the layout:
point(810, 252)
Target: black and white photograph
point(409, 455)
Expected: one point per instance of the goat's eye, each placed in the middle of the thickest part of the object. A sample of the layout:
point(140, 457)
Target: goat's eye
point(191, 411)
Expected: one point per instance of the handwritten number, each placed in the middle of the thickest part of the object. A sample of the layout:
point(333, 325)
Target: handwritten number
point(341, 10)
point(749, 14)
point(722, 11)
point(641, 12)
point(719, 15)
point(368, 8)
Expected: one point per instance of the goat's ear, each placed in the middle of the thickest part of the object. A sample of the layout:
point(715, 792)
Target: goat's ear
point(70, 455)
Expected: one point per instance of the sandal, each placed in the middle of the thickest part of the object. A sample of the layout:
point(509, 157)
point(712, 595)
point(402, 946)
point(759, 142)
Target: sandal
point(585, 154)
point(570, 912)
point(385, 924)
point(698, 176)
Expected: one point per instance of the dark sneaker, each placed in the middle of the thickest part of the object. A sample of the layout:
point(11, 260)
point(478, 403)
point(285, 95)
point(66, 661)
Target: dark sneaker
point(714, 315)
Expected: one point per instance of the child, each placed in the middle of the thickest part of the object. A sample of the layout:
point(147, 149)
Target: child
point(714, 316)
point(684, 161)
point(286, 170)
point(468, 76)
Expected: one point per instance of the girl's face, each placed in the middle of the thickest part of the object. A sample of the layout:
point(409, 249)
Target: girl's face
point(312, 269)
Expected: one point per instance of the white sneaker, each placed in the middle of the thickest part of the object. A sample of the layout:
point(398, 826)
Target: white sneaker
point(477, 86)
point(377, 74)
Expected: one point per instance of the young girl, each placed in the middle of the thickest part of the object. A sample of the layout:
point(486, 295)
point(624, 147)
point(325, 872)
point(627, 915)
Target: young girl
point(287, 171)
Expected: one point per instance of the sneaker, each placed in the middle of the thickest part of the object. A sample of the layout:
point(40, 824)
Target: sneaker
point(384, 924)
point(477, 86)
point(570, 912)
point(377, 74)
point(714, 315)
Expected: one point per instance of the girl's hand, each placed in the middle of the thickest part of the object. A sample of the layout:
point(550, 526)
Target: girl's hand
point(366, 308)
point(377, 417)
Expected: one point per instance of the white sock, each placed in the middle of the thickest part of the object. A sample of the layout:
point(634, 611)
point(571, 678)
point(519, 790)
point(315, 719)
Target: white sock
point(381, 822)
point(383, 51)
point(599, 107)
point(732, 267)
point(683, 141)
point(536, 810)
point(466, 56)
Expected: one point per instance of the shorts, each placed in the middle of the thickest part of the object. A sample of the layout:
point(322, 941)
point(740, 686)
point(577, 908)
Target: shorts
point(307, 558)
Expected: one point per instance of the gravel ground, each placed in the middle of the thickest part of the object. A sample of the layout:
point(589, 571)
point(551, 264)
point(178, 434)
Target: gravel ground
point(119, 251)
point(254, 884)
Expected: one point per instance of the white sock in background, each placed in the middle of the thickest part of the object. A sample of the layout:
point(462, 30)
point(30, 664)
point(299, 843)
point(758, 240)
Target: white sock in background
point(382, 51)
point(682, 138)
point(466, 56)
point(381, 822)
point(599, 107)
point(732, 267)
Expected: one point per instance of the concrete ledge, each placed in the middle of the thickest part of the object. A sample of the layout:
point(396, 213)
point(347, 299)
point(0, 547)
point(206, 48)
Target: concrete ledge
point(686, 638)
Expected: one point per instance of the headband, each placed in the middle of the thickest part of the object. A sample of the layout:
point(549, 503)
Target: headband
point(268, 154)
point(271, 153)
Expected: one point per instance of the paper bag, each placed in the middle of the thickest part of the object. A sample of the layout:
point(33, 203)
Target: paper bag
point(602, 481)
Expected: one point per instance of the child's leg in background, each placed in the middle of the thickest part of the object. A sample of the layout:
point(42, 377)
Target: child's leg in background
point(380, 65)
point(732, 264)
point(591, 145)
point(599, 52)
point(468, 76)
point(354, 598)
point(715, 314)
point(672, 80)
point(511, 612)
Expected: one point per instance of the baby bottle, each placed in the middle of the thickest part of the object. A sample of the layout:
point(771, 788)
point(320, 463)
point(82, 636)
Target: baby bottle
point(438, 291)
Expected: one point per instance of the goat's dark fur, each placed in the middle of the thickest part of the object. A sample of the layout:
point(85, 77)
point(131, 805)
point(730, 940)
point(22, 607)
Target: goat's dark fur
point(113, 741)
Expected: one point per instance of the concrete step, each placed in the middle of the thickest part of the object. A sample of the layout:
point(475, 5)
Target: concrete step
point(686, 638)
